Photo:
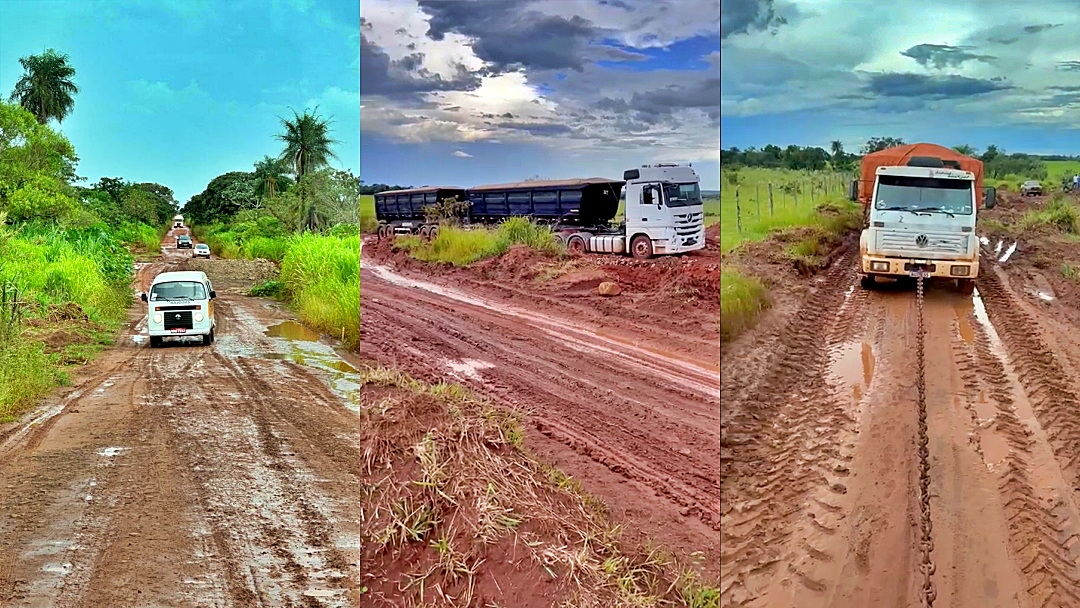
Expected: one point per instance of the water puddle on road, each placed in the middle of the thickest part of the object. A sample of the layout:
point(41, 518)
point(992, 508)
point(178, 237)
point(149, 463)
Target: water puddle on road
point(301, 345)
point(963, 309)
point(853, 365)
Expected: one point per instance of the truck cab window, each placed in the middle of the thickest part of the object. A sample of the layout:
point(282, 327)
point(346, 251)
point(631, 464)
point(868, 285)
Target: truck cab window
point(647, 196)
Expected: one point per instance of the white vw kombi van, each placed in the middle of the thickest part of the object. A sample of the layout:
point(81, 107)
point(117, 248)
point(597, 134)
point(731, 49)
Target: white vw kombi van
point(180, 304)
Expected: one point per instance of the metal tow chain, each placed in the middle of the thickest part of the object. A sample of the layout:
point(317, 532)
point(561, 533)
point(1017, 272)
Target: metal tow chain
point(926, 544)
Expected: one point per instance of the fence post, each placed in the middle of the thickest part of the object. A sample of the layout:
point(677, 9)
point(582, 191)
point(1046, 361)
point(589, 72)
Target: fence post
point(738, 212)
point(795, 195)
point(757, 199)
point(811, 193)
point(770, 199)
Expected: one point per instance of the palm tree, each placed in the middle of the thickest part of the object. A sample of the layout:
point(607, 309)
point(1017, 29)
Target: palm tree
point(270, 177)
point(46, 87)
point(965, 149)
point(307, 142)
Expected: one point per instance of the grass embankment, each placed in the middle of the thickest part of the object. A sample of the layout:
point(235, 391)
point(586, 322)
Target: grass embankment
point(320, 273)
point(461, 247)
point(63, 293)
point(807, 238)
point(368, 223)
point(452, 491)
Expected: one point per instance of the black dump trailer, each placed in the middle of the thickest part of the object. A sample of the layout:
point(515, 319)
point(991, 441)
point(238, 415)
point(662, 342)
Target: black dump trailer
point(573, 204)
point(403, 210)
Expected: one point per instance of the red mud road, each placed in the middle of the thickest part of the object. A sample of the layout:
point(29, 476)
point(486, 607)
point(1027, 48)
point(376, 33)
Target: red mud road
point(819, 460)
point(185, 476)
point(635, 424)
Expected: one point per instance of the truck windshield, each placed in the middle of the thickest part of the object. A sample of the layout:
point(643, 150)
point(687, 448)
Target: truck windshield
point(178, 290)
point(929, 194)
point(682, 195)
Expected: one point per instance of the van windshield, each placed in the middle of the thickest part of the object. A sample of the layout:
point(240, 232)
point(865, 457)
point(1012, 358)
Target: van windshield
point(178, 290)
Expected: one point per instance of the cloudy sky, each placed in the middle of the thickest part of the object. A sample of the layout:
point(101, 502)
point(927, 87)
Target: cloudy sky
point(965, 71)
point(180, 91)
point(469, 92)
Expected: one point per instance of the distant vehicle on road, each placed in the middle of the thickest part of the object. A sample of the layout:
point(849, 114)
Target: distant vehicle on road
point(202, 250)
point(178, 221)
point(180, 304)
point(1031, 188)
point(183, 241)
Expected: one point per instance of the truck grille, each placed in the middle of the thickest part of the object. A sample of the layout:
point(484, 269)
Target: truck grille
point(177, 318)
point(689, 224)
point(912, 243)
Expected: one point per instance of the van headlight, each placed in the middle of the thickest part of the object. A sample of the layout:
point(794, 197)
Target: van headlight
point(198, 317)
point(158, 318)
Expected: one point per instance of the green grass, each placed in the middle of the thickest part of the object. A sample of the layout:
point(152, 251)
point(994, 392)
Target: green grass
point(141, 235)
point(367, 213)
point(76, 281)
point(322, 278)
point(460, 247)
point(1058, 169)
point(796, 195)
point(712, 211)
point(1061, 214)
point(742, 299)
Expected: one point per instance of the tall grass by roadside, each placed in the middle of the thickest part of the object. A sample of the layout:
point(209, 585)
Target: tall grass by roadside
point(368, 222)
point(62, 280)
point(322, 278)
point(140, 234)
point(460, 247)
point(742, 298)
point(1060, 213)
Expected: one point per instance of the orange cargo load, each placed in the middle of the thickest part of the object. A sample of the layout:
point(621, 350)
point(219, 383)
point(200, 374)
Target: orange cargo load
point(899, 156)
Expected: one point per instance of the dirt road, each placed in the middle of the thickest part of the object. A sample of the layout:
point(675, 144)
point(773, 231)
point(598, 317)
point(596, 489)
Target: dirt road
point(819, 460)
point(188, 475)
point(635, 423)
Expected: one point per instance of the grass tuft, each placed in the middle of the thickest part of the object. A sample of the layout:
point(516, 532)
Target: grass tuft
point(461, 247)
point(742, 299)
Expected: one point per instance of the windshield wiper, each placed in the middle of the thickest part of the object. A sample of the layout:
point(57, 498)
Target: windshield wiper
point(898, 209)
point(939, 210)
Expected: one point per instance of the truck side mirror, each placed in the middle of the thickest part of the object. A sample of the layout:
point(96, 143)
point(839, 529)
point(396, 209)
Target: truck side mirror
point(990, 194)
point(143, 295)
point(213, 294)
point(853, 190)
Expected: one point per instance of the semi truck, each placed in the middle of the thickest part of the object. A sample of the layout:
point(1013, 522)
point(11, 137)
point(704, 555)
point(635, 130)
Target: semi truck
point(920, 203)
point(664, 212)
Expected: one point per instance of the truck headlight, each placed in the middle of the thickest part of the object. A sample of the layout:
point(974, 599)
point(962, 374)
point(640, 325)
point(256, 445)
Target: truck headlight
point(198, 317)
point(879, 266)
point(960, 271)
point(158, 318)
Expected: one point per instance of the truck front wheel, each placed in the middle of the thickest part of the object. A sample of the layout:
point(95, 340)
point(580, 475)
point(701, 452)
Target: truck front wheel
point(868, 281)
point(641, 247)
point(966, 286)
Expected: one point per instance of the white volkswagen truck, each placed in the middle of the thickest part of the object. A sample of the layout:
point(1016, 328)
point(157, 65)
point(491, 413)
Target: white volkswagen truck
point(180, 304)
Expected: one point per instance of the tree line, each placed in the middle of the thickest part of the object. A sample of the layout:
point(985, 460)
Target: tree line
point(996, 162)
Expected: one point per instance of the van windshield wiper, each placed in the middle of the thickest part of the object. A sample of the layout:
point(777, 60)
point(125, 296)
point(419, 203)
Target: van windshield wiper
point(898, 209)
point(939, 210)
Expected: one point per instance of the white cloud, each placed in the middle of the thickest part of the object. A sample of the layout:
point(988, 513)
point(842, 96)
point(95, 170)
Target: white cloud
point(460, 154)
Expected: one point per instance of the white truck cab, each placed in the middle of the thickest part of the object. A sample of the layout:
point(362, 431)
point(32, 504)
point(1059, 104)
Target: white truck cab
point(180, 304)
point(664, 211)
point(178, 221)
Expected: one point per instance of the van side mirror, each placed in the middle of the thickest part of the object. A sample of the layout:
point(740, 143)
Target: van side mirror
point(853, 190)
point(143, 294)
point(990, 194)
point(213, 294)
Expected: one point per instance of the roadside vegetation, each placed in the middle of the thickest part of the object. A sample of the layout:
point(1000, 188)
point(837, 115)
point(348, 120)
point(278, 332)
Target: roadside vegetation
point(460, 247)
point(452, 486)
point(66, 262)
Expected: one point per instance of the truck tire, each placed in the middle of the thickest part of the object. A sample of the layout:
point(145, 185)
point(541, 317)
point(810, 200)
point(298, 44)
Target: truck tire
point(966, 286)
point(576, 244)
point(424, 231)
point(641, 247)
point(868, 282)
point(208, 339)
point(382, 232)
point(433, 232)
point(155, 341)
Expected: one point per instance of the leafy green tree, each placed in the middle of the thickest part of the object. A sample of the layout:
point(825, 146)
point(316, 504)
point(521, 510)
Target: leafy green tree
point(271, 177)
point(46, 87)
point(877, 144)
point(222, 199)
point(35, 166)
point(991, 153)
point(965, 149)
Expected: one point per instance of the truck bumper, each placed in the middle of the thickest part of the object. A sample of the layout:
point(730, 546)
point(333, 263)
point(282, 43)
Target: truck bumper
point(666, 246)
point(884, 266)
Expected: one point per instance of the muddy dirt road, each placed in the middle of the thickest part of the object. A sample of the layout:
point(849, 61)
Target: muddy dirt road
point(634, 423)
point(819, 459)
point(188, 475)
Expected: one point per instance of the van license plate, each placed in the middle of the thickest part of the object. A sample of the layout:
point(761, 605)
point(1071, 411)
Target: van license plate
point(179, 330)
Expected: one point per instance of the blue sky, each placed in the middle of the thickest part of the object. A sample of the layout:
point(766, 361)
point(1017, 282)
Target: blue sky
point(180, 91)
point(975, 72)
point(464, 93)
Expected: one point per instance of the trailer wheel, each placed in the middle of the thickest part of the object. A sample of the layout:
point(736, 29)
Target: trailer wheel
point(641, 247)
point(424, 232)
point(433, 232)
point(576, 244)
point(380, 232)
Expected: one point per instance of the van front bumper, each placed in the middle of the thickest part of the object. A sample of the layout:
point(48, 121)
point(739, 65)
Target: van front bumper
point(885, 266)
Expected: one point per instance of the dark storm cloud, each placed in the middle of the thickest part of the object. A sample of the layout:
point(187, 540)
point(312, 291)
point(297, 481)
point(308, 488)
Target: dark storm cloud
point(743, 16)
point(1035, 29)
point(507, 36)
point(941, 56)
point(659, 103)
point(539, 129)
point(405, 77)
point(1069, 66)
point(938, 87)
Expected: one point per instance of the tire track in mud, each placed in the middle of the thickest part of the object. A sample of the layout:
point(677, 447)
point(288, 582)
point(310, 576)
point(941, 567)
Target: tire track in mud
point(1038, 519)
point(781, 440)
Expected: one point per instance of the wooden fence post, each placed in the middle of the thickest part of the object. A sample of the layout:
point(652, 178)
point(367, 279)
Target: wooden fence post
point(770, 199)
point(738, 212)
point(757, 198)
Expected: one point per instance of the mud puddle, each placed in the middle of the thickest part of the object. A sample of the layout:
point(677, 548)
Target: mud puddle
point(302, 346)
point(853, 366)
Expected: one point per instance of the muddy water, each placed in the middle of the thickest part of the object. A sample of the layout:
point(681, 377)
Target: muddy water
point(853, 365)
point(297, 343)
